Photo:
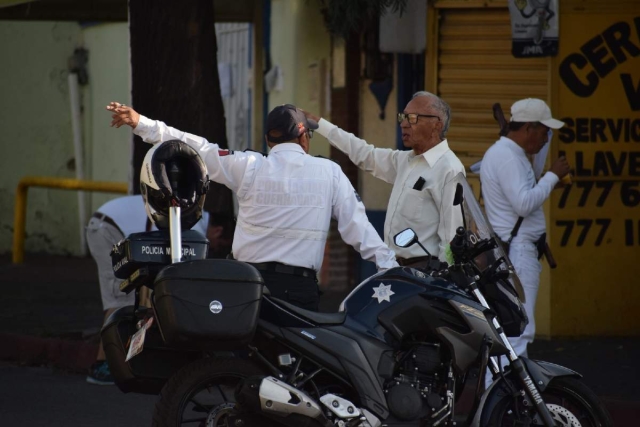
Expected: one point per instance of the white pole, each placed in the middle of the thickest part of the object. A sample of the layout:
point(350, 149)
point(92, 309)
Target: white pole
point(74, 96)
point(175, 234)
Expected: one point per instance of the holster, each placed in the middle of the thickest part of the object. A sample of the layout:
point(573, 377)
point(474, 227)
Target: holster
point(542, 247)
point(540, 244)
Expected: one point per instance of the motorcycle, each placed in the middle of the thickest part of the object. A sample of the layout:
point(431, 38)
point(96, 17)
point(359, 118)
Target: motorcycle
point(220, 351)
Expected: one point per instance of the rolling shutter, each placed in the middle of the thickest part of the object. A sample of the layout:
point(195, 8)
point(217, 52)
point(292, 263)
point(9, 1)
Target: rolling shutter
point(475, 70)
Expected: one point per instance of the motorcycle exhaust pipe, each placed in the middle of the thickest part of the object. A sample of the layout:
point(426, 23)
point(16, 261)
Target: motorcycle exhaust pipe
point(278, 400)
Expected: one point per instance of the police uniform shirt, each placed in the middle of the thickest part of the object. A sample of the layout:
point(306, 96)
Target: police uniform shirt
point(510, 191)
point(417, 199)
point(286, 201)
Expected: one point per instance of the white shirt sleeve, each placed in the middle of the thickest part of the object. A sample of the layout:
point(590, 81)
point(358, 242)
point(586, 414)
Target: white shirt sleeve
point(517, 188)
point(223, 166)
point(380, 162)
point(354, 226)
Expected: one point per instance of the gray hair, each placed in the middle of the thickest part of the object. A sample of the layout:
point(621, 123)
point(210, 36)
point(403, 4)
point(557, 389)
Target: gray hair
point(440, 105)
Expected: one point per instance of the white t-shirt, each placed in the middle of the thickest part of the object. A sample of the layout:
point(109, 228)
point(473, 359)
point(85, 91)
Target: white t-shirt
point(510, 191)
point(131, 216)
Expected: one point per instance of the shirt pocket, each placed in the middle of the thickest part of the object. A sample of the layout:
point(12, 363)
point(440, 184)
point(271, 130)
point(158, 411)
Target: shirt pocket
point(414, 204)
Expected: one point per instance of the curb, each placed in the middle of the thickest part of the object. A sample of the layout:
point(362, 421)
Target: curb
point(75, 356)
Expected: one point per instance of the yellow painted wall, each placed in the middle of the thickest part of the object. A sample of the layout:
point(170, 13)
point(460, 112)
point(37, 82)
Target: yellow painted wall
point(300, 45)
point(596, 222)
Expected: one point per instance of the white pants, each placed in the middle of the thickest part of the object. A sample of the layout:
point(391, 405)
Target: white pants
point(101, 237)
point(524, 257)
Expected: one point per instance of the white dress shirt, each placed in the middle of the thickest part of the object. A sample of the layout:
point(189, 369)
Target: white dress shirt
point(510, 191)
point(286, 201)
point(428, 211)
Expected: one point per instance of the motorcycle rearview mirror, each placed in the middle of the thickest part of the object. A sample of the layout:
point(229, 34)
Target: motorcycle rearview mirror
point(458, 198)
point(405, 238)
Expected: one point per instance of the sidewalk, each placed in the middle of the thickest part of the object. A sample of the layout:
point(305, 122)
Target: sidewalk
point(50, 313)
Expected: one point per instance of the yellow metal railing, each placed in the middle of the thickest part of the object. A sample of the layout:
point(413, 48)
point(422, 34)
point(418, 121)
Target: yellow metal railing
point(20, 213)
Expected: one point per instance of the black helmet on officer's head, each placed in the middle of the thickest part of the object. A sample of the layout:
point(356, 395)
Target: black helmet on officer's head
point(173, 174)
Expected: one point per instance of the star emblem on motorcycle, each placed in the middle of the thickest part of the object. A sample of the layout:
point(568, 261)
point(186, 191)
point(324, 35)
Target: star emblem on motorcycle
point(382, 293)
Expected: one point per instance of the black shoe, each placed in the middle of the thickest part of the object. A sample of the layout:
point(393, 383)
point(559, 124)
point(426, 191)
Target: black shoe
point(100, 374)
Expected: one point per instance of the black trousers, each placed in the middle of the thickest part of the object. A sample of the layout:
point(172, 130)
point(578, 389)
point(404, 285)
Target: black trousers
point(297, 290)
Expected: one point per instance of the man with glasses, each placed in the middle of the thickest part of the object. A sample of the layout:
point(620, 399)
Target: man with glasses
point(418, 176)
point(286, 201)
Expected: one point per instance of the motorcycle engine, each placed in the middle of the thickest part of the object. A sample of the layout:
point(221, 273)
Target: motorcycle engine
point(414, 391)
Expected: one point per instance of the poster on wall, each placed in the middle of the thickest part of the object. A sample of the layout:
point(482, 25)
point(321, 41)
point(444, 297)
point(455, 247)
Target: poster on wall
point(534, 28)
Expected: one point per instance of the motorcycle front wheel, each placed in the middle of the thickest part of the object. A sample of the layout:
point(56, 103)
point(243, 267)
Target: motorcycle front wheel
point(570, 402)
point(202, 393)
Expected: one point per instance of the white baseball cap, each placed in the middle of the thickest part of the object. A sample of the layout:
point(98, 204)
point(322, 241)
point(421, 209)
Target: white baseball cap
point(534, 110)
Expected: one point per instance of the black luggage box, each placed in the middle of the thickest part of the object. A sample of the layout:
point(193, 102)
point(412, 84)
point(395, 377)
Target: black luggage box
point(149, 370)
point(153, 249)
point(210, 304)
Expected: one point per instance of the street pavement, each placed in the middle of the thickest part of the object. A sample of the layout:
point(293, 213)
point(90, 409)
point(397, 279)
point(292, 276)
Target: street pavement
point(45, 396)
point(50, 315)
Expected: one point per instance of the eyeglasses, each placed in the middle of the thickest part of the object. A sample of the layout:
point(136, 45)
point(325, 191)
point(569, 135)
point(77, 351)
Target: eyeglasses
point(413, 118)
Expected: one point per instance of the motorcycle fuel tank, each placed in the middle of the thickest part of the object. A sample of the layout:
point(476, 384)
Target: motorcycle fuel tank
point(385, 289)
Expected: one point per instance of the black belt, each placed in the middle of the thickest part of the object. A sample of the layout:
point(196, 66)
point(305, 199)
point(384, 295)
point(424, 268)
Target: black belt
point(411, 261)
point(277, 267)
point(108, 220)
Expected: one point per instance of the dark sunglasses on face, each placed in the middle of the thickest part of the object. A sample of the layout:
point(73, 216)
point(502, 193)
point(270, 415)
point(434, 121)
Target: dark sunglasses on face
point(413, 118)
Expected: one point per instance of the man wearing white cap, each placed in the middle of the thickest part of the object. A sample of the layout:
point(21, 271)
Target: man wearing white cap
point(512, 196)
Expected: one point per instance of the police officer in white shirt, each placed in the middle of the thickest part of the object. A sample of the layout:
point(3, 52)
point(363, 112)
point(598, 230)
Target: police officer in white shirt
point(510, 191)
point(286, 201)
point(418, 176)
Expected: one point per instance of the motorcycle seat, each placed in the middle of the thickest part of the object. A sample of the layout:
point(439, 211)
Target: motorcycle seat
point(314, 316)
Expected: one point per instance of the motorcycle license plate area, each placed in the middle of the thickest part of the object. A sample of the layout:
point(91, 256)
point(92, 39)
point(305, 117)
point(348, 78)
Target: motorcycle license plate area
point(210, 304)
point(151, 368)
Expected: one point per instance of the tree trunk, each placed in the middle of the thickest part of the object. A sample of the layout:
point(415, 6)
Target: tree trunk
point(175, 77)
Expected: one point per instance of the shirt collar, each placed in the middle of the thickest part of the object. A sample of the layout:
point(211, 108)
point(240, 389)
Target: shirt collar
point(512, 145)
point(287, 146)
point(433, 154)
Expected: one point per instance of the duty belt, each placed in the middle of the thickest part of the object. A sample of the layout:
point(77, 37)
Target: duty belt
point(104, 218)
point(411, 261)
point(277, 267)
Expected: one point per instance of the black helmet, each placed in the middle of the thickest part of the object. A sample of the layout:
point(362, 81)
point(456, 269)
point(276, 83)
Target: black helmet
point(173, 174)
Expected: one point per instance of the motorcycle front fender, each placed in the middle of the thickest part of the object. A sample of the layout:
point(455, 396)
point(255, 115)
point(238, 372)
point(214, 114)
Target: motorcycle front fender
point(541, 373)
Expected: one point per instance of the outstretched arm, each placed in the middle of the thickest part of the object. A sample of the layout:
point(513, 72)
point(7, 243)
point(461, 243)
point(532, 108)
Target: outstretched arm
point(224, 166)
point(380, 162)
